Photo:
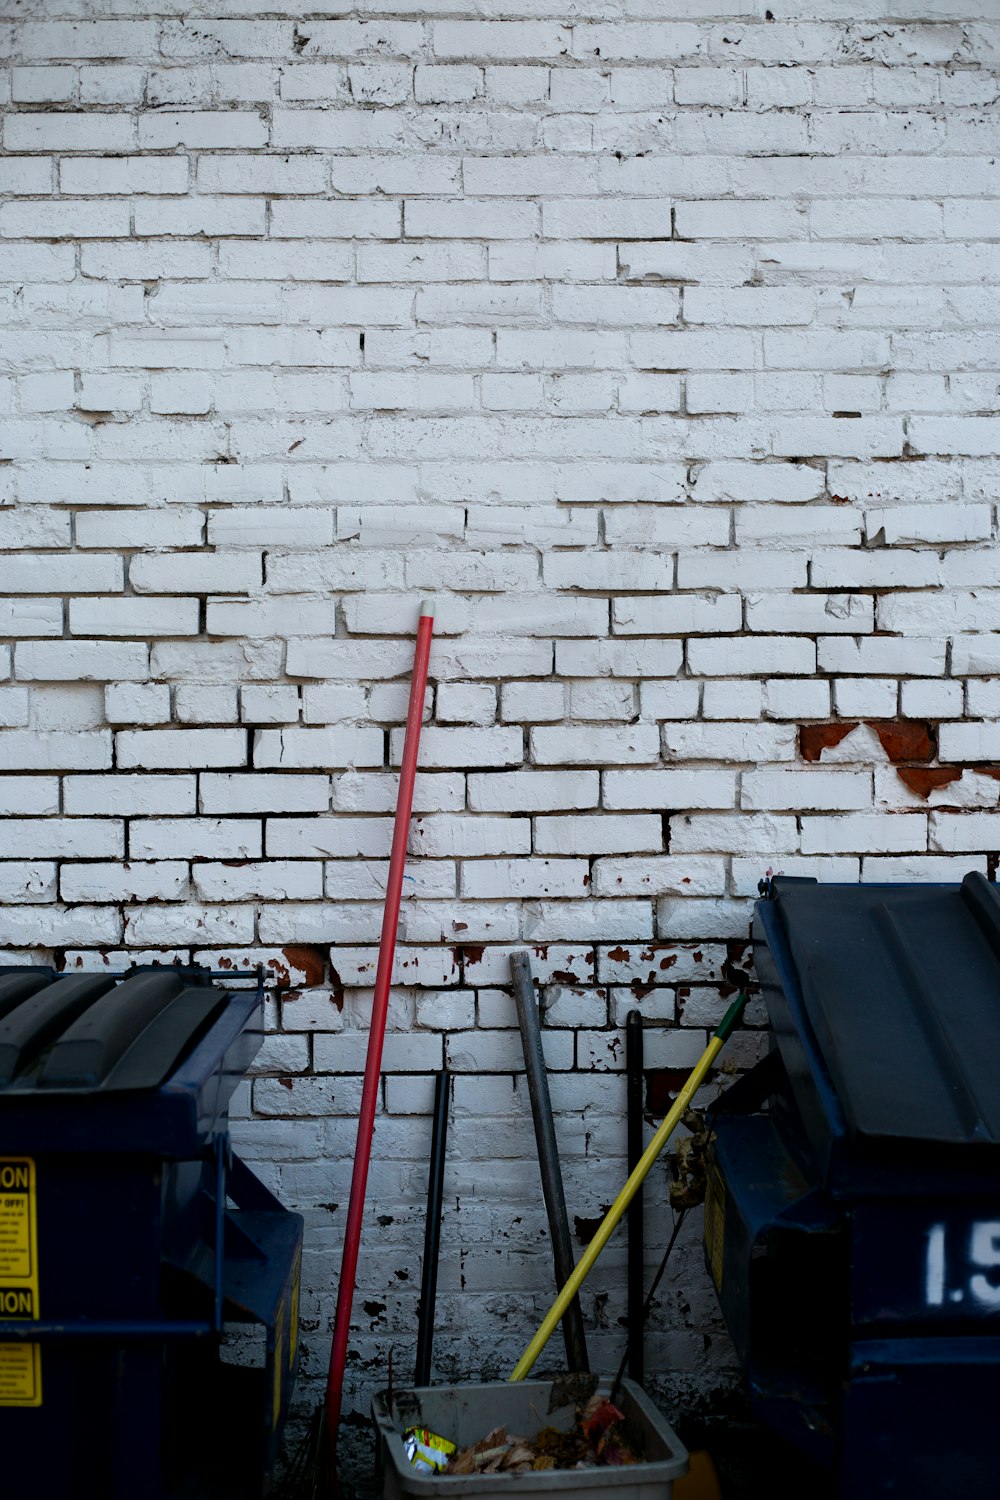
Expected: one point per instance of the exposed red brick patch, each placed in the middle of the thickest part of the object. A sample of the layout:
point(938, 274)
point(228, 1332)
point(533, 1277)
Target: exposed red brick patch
point(906, 739)
point(923, 779)
point(337, 993)
point(619, 955)
point(586, 1228)
point(662, 1084)
point(815, 738)
point(310, 960)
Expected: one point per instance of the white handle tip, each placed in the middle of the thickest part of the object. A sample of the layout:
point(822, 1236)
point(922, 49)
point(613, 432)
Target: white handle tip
point(428, 609)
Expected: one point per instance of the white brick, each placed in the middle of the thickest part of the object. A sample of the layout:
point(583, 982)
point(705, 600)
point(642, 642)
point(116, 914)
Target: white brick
point(969, 742)
point(512, 878)
point(669, 789)
point(164, 881)
point(760, 833)
point(269, 705)
point(66, 219)
point(21, 795)
point(192, 838)
point(439, 84)
point(532, 702)
point(51, 926)
point(932, 700)
point(464, 747)
point(732, 700)
point(758, 657)
point(532, 791)
point(882, 656)
point(55, 750)
point(189, 924)
point(631, 658)
point(14, 707)
point(685, 614)
point(669, 700)
point(181, 748)
point(735, 742)
point(128, 795)
point(367, 880)
point(207, 216)
point(599, 835)
point(87, 661)
point(194, 573)
point(133, 617)
point(194, 704)
point(111, 84)
point(466, 703)
point(957, 832)
point(806, 789)
point(865, 832)
point(602, 700)
point(633, 744)
point(28, 881)
point(866, 697)
point(276, 880)
point(850, 613)
point(687, 875)
point(61, 838)
point(318, 747)
point(607, 571)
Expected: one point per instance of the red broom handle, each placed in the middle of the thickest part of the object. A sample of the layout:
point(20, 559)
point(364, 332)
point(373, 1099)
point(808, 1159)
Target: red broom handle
point(376, 1034)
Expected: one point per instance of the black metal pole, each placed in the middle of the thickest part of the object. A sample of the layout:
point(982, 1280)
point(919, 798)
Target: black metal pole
point(548, 1156)
point(636, 1227)
point(432, 1232)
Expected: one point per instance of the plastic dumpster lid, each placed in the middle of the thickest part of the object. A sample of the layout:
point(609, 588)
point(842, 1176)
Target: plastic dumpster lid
point(85, 1033)
point(901, 985)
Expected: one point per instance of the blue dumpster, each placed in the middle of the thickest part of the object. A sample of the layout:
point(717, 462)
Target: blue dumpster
point(131, 1237)
point(853, 1226)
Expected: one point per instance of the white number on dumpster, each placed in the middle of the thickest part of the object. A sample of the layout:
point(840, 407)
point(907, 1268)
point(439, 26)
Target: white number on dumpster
point(982, 1257)
point(984, 1250)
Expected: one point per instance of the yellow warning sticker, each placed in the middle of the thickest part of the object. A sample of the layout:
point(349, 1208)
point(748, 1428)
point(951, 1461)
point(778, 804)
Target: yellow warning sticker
point(715, 1223)
point(20, 1364)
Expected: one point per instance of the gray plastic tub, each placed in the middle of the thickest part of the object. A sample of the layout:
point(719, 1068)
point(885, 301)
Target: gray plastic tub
point(466, 1413)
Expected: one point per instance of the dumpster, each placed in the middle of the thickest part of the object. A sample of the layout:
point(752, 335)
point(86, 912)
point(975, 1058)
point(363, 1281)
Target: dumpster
point(134, 1244)
point(853, 1227)
point(466, 1413)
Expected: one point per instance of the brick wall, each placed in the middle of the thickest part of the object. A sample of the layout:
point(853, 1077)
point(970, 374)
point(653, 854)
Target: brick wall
point(661, 343)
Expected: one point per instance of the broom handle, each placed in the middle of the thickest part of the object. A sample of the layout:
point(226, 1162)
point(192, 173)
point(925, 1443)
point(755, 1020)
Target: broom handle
point(376, 1033)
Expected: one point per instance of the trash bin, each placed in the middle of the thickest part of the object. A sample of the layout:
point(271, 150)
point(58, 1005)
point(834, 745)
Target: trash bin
point(853, 1230)
point(132, 1239)
point(466, 1413)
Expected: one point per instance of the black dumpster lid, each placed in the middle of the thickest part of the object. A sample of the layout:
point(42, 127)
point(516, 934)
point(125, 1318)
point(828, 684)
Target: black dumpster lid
point(901, 986)
point(84, 1032)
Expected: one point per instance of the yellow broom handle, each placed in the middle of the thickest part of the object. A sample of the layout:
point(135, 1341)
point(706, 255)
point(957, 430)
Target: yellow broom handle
point(614, 1214)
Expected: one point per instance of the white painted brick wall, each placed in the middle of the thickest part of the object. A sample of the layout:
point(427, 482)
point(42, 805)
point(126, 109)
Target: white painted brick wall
point(664, 348)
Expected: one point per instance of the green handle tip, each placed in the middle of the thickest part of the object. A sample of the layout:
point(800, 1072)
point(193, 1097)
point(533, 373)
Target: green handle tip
point(727, 1025)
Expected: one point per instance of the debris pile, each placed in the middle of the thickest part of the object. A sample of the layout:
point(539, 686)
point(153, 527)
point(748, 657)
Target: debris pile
point(596, 1439)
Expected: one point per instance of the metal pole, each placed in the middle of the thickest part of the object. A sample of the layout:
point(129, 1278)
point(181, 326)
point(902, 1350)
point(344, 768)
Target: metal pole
point(432, 1231)
point(376, 1034)
point(636, 1227)
point(548, 1156)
